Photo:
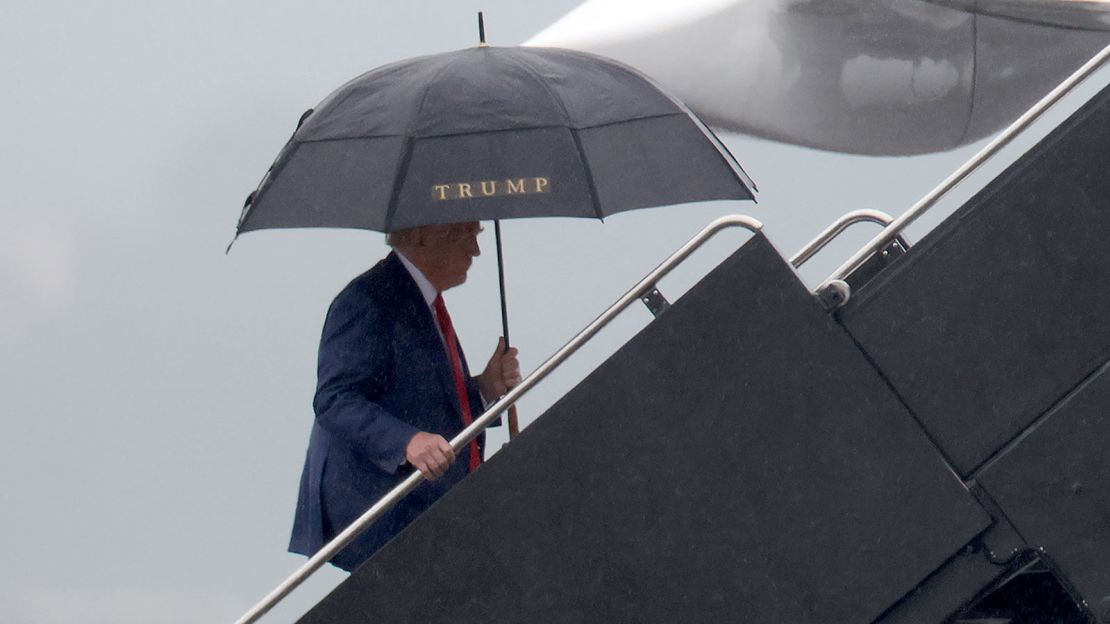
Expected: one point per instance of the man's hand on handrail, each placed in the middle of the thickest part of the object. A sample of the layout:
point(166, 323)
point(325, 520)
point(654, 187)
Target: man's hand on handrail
point(430, 454)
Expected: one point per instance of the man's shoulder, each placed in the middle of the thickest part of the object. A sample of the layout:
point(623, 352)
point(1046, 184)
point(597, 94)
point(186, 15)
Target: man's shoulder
point(383, 283)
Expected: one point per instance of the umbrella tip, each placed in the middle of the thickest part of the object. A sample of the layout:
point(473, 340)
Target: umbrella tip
point(482, 31)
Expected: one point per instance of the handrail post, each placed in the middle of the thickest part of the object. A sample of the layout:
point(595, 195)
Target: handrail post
point(834, 230)
point(472, 431)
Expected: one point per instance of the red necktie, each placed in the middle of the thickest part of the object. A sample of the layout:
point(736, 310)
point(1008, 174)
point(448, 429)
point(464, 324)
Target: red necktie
point(444, 320)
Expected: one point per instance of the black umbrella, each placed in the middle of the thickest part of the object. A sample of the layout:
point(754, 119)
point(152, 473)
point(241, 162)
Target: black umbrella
point(491, 133)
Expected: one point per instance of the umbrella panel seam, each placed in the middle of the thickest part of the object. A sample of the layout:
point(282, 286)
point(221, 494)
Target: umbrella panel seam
point(588, 173)
point(543, 85)
point(398, 182)
point(453, 60)
point(478, 132)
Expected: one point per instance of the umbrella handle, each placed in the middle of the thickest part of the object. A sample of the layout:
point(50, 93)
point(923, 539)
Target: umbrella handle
point(514, 423)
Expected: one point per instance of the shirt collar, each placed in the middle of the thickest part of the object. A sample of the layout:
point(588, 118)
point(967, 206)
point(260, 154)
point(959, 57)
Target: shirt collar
point(430, 293)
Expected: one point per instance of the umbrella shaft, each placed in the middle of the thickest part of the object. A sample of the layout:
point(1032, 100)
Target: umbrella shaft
point(501, 283)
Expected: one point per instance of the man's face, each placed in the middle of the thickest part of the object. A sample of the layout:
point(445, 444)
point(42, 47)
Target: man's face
point(453, 248)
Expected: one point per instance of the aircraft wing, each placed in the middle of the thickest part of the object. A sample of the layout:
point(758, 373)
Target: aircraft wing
point(879, 77)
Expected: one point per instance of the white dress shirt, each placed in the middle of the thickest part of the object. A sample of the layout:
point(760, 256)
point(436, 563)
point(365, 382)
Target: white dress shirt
point(430, 293)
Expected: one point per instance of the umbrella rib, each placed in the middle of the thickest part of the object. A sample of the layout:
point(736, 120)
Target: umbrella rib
point(543, 84)
point(589, 174)
point(488, 132)
point(395, 193)
point(403, 166)
point(424, 98)
point(726, 153)
point(570, 127)
point(722, 149)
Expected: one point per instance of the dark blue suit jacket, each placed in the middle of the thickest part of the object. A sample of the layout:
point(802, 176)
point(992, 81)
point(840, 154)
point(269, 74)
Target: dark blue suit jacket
point(383, 375)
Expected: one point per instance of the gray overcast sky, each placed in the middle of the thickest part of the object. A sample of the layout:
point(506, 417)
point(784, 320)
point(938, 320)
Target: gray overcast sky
point(156, 394)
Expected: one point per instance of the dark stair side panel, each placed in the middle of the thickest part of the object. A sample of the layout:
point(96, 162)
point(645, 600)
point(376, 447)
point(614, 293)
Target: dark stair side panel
point(943, 593)
point(965, 579)
point(738, 460)
point(1052, 485)
point(1005, 307)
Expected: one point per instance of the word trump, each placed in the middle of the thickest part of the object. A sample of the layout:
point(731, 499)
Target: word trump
point(490, 188)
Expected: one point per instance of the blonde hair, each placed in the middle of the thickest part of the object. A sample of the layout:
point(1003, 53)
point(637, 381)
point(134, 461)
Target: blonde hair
point(400, 238)
point(407, 236)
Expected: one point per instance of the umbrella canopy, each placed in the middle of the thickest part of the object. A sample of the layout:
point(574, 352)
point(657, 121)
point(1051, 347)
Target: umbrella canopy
point(491, 133)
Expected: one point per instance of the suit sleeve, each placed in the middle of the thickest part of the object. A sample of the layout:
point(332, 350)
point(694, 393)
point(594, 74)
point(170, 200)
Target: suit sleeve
point(353, 370)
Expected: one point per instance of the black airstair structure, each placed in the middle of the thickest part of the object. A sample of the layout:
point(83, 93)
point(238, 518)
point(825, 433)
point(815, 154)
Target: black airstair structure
point(936, 450)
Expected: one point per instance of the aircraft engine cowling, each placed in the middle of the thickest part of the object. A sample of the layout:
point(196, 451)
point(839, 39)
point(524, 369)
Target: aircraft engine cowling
point(879, 77)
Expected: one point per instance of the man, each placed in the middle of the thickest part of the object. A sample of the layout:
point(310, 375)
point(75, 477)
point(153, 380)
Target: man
point(393, 388)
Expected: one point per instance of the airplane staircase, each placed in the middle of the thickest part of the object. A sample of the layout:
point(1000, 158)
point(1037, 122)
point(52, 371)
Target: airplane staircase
point(940, 440)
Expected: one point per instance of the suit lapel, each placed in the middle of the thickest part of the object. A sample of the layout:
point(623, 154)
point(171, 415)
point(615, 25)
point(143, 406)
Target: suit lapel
point(414, 308)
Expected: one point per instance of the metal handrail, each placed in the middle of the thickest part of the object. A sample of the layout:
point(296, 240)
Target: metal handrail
point(475, 428)
point(834, 230)
point(894, 228)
